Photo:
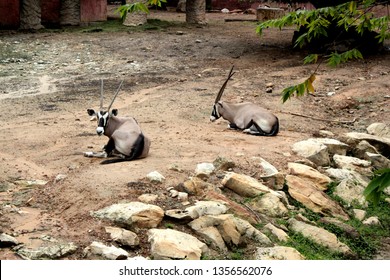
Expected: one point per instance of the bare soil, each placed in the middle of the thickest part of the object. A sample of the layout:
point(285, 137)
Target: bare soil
point(171, 76)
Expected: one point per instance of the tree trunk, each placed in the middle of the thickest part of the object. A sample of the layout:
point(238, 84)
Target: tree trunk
point(196, 11)
point(70, 12)
point(30, 14)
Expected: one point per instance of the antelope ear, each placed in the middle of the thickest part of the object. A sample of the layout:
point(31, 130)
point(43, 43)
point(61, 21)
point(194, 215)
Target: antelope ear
point(91, 112)
point(114, 112)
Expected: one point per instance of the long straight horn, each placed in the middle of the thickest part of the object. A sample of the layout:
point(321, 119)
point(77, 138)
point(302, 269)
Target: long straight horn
point(231, 73)
point(117, 91)
point(101, 94)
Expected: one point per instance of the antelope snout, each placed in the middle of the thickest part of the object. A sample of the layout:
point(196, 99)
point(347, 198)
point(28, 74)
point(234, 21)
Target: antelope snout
point(212, 118)
point(100, 130)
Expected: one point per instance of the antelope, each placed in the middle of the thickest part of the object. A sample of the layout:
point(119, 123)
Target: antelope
point(126, 139)
point(247, 117)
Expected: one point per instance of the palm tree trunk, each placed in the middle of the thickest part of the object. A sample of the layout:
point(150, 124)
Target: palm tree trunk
point(196, 11)
point(30, 14)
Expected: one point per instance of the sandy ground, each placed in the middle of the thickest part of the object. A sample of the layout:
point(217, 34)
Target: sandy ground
point(171, 77)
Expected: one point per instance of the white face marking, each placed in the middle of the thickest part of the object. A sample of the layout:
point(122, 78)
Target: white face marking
point(99, 130)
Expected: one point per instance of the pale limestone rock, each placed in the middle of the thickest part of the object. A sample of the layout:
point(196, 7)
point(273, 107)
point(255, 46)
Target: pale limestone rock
point(268, 173)
point(344, 174)
point(320, 180)
point(204, 170)
point(351, 191)
point(197, 186)
point(224, 164)
point(123, 236)
point(172, 244)
point(155, 177)
point(359, 214)
point(314, 199)
point(51, 252)
point(212, 235)
point(133, 214)
point(377, 160)
point(269, 205)
point(313, 151)
point(379, 129)
point(334, 146)
point(320, 236)
point(7, 240)
point(106, 252)
point(202, 208)
point(381, 144)
point(280, 234)
point(352, 163)
point(278, 253)
point(148, 198)
point(362, 147)
point(178, 214)
point(372, 221)
point(245, 185)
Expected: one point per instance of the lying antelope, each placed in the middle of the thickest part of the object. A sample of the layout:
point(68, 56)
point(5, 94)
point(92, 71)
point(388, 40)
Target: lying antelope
point(126, 139)
point(248, 117)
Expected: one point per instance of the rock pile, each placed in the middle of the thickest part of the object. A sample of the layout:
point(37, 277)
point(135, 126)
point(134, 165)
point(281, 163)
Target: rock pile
point(212, 223)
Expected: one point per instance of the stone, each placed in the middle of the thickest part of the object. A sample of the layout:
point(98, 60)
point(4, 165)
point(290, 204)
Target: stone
point(379, 129)
point(372, 221)
point(123, 236)
point(351, 192)
point(204, 170)
point(202, 208)
point(320, 180)
point(7, 240)
point(155, 177)
point(196, 186)
point(317, 201)
point(278, 233)
point(334, 146)
point(381, 144)
point(362, 147)
point(169, 244)
point(278, 253)
point(270, 205)
point(313, 151)
point(178, 214)
point(212, 235)
point(347, 229)
point(106, 252)
point(244, 185)
point(320, 236)
point(223, 164)
point(377, 160)
point(269, 173)
point(339, 175)
point(132, 214)
point(148, 198)
point(359, 214)
point(353, 163)
point(51, 252)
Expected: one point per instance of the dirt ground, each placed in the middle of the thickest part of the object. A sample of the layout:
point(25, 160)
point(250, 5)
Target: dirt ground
point(171, 77)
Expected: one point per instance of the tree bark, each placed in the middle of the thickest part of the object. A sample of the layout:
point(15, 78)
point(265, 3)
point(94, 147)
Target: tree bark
point(70, 12)
point(30, 14)
point(196, 11)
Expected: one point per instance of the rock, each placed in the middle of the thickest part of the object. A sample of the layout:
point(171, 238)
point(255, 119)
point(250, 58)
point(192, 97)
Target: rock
point(172, 244)
point(280, 234)
point(148, 198)
point(122, 236)
point(362, 147)
point(7, 240)
point(178, 214)
point(320, 180)
point(320, 236)
point(106, 252)
point(313, 151)
point(325, 133)
point(381, 144)
point(359, 214)
point(155, 177)
point(351, 192)
point(270, 205)
point(204, 170)
point(223, 164)
point(51, 252)
point(342, 174)
point(353, 163)
point(245, 185)
point(377, 160)
point(334, 146)
point(133, 214)
point(196, 186)
point(372, 221)
point(233, 230)
point(347, 229)
point(212, 235)
point(317, 201)
point(202, 208)
point(379, 129)
point(60, 177)
point(269, 174)
point(278, 253)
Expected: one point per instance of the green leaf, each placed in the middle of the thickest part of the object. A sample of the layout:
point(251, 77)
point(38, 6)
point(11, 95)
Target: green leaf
point(377, 185)
point(311, 58)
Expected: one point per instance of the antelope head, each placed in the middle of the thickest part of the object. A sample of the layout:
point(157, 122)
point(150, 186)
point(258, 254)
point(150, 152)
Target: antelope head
point(102, 115)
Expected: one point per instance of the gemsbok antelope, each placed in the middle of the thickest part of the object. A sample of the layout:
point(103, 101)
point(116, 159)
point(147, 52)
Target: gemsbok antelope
point(247, 116)
point(126, 139)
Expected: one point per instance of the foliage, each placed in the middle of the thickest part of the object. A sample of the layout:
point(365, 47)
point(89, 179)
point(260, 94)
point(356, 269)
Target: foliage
point(138, 7)
point(377, 185)
point(317, 27)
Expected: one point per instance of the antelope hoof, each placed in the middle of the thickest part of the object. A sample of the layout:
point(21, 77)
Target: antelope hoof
point(88, 154)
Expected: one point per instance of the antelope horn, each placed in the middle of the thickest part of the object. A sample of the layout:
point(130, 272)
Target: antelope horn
point(101, 94)
point(117, 91)
point(231, 73)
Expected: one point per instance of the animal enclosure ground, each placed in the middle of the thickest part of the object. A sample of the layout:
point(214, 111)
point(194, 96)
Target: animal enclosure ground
point(171, 76)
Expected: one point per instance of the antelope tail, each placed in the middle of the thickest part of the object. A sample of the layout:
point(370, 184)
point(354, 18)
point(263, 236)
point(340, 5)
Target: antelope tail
point(136, 152)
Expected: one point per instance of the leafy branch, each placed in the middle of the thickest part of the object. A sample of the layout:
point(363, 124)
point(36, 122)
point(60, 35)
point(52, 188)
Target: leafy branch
point(138, 7)
point(377, 185)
